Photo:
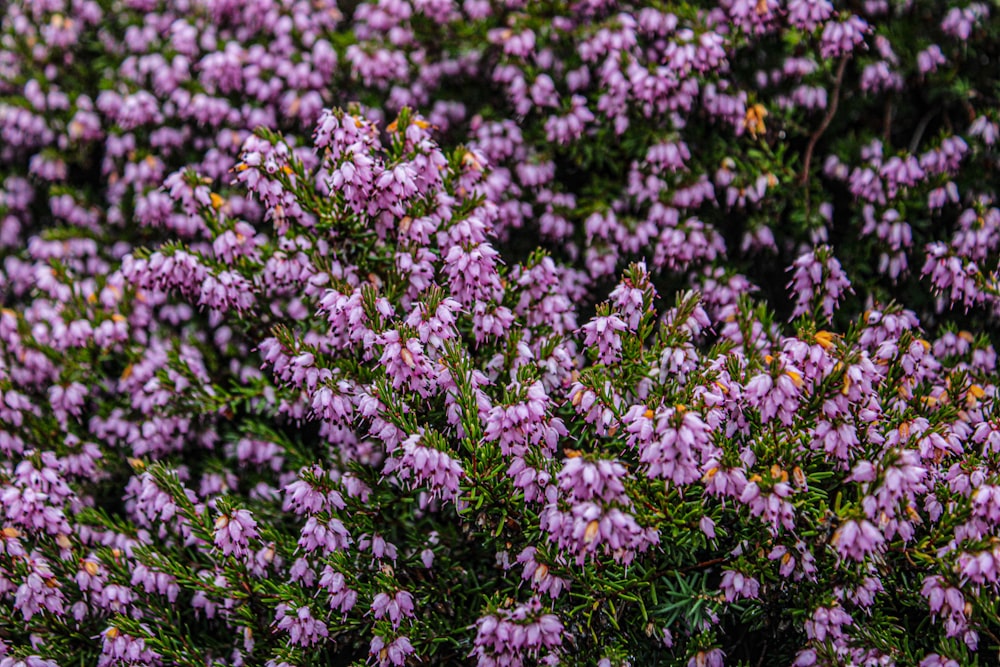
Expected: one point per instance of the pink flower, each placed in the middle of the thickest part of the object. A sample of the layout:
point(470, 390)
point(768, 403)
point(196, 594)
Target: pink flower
point(234, 531)
point(302, 628)
point(603, 332)
point(395, 607)
point(857, 539)
point(393, 653)
point(736, 585)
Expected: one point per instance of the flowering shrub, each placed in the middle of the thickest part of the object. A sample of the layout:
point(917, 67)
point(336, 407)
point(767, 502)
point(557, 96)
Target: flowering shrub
point(418, 332)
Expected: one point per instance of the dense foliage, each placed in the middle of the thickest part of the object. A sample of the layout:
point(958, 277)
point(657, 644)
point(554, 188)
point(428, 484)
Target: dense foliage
point(499, 333)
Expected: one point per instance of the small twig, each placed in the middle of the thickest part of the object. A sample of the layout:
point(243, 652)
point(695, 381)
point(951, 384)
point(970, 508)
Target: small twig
point(763, 654)
point(887, 123)
point(827, 119)
point(705, 563)
point(919, 132)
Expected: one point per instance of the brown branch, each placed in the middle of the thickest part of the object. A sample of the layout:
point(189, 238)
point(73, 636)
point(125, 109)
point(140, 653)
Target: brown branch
point(887, 123)
point(827, 119)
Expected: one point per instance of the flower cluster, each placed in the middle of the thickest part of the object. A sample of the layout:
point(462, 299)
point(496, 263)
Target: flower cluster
point(283, 384)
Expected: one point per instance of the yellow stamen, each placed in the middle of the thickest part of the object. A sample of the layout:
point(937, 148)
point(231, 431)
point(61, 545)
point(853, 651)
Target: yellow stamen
point(796, 378)
point(824, 339)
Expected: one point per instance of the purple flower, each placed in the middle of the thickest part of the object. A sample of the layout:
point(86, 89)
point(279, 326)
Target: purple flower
point(393, 653)
point(601, 480)
point(30, 661)
point(827, 623)
point(426, 465)
point(857, 539)
point(840, 37)
point(818, 281)
point(39, 591)
point(234, 531)
point(302, 628)
point(736, 585)
point(712, 658)
point(603, 332)
point(118, 648)
point(509, 636)
point(395, 607)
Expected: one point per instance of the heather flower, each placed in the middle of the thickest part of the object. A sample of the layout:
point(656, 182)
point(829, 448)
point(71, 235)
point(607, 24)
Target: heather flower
point(394, 607)
point(439, 471)
point(305, 497)
point(406, 363)
point(341, 596)
point(539, 575)
point(681, 441)
point(39, 591)
point(119, 648)
point(510, 636)
point(240, 337)
point(776, 397)
point(818, 281)
point(603, 332)
point(472, 273)
point(233, 532)
point(960, 22)
point(29, 661)
point(857, 539)
point(302, 628)
point(737, 585)
point(712, 658)
point(827, 623)
point(524, 422)
point(809, 14)
point(840, 37)
point(771, 505)
point(329, 535)
point(393, 653)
